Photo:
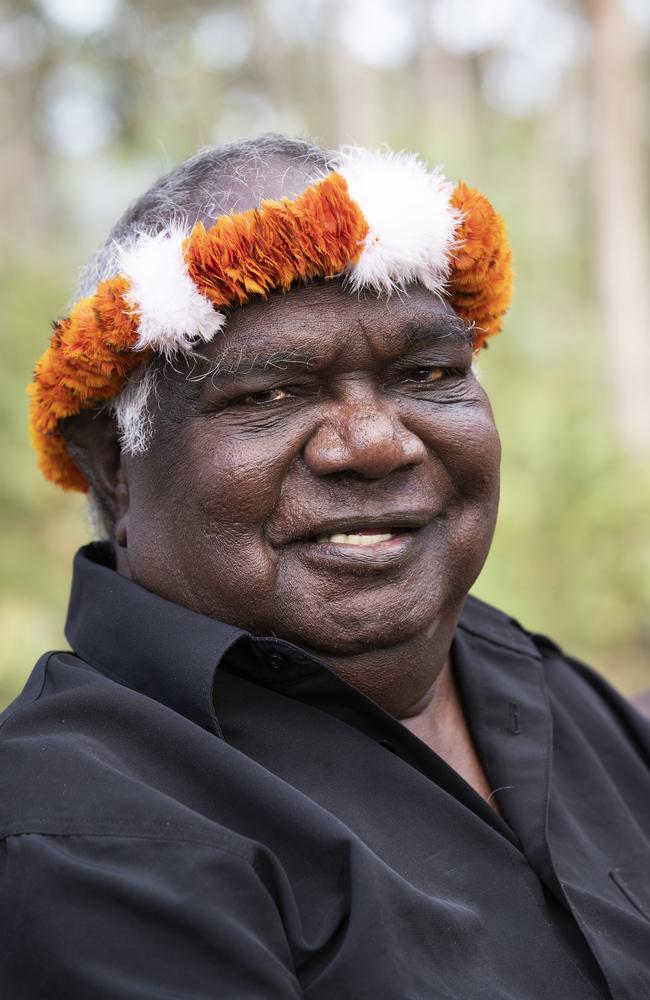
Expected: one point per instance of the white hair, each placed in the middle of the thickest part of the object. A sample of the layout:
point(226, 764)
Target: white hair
point(133, 412)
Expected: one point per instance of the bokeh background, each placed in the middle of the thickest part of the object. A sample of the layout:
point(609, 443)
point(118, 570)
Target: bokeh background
point(541, 103)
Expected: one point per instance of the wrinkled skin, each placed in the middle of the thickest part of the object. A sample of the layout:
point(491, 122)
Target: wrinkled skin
point(368, 411)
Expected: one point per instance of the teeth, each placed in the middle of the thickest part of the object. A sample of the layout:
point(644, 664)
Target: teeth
point(339, 538)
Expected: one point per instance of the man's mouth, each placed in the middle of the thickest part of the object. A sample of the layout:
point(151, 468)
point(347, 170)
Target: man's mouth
point(368, 542)
point(374, 548)
point(363, 530)
point(372, 543)
point(356, 538)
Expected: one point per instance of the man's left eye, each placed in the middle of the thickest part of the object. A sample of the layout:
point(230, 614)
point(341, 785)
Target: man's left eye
point(425, 375)
point(266, 396)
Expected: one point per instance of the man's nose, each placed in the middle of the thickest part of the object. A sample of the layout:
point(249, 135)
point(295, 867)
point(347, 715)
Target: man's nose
point(370, 442)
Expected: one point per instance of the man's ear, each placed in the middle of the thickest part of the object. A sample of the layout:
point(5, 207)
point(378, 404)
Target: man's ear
point(92, 439)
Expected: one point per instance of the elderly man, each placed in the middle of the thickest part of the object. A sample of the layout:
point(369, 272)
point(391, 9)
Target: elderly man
point(287, 755)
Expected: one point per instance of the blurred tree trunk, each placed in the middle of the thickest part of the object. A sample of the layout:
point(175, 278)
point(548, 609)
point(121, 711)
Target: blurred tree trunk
point(446, 98)
point(621, 215)
point(352, 89)
point(265, 66)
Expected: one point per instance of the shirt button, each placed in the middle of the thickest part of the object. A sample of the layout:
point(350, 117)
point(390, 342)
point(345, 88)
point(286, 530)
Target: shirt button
point(277, 661)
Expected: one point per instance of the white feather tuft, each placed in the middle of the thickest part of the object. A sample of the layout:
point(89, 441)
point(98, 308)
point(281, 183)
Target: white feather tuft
point(172, 312)
point(412, 221)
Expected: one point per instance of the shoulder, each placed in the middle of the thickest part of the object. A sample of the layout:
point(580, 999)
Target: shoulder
point(487, 622)
point(106, 915)
point(83, 755)
point(580, 697)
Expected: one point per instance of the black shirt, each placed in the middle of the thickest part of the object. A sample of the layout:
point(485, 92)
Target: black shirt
point(191, 812)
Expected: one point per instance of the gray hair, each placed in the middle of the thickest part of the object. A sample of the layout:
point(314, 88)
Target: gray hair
point(214, 181)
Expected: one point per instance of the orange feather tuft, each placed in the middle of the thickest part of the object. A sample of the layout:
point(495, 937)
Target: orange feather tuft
point(480, 284)
point(89, 357)
point(252, 253)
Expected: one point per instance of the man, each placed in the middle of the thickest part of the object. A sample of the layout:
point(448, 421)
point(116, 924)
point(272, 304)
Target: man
point(287, 756)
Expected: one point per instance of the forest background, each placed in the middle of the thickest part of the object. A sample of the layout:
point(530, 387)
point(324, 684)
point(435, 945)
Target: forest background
point(540, 103)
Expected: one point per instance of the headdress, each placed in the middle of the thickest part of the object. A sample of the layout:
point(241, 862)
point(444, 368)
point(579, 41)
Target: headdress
point(381, 220)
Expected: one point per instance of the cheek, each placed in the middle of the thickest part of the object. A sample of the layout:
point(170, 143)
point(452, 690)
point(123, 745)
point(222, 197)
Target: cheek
point(476, 455)
point(466, 442)
point(473, 459)
point(202, 519)
point(239, 480)
point(467, 445)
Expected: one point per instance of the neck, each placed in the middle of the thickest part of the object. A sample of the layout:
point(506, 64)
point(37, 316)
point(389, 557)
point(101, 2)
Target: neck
point(414, 682)
point(441, 724)
point(401, 679)
point(436, 719)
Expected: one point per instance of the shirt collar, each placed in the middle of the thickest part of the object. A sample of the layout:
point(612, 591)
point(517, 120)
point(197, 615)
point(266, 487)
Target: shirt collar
point(161, 649)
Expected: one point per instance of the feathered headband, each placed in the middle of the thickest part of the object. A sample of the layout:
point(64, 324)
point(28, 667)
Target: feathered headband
point(381, 220)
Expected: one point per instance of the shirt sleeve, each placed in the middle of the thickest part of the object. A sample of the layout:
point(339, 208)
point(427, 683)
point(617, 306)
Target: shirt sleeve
point(134, 918)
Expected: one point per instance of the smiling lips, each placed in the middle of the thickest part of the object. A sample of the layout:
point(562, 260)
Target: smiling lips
point(369, 549)
point(386, 536)
point(382, 532)
point(364, 538)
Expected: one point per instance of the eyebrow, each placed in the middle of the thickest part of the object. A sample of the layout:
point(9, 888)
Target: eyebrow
point(420, 334)
point(234, 362)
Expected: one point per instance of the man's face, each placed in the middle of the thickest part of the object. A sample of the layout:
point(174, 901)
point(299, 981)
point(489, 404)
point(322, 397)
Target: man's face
point(332, 479)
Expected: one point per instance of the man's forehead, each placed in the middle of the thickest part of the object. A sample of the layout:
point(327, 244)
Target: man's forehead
point(320, 319)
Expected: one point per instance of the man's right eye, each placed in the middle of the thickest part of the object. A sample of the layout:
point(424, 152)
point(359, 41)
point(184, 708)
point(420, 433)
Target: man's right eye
point(426, 375)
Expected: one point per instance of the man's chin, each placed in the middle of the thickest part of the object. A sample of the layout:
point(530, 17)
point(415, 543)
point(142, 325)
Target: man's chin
point(366, 634)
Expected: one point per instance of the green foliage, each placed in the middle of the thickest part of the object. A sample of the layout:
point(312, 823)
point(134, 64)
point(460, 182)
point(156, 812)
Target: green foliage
point(40, 528)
